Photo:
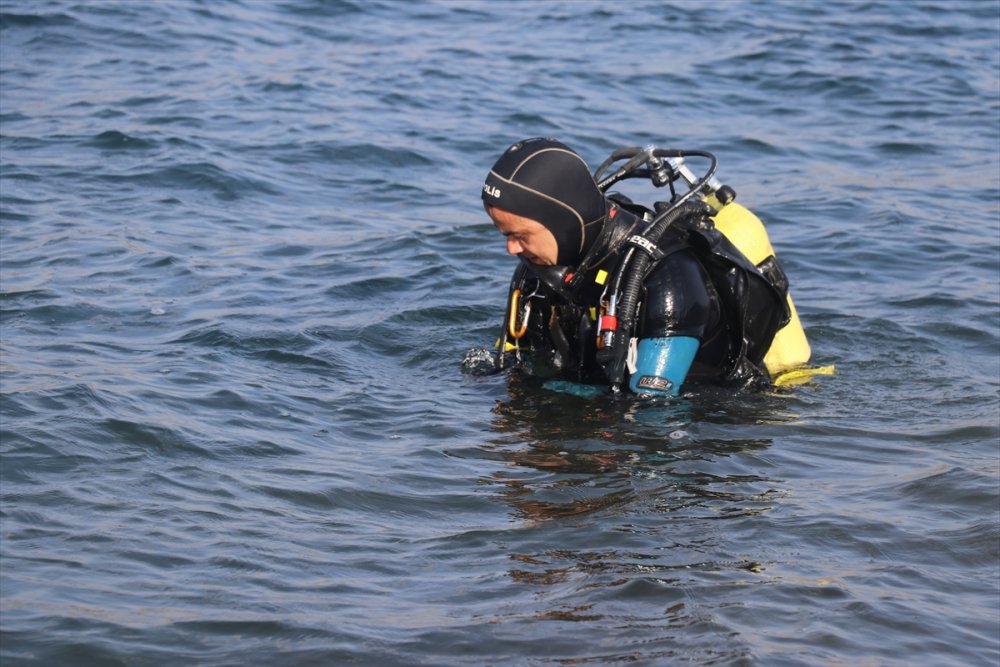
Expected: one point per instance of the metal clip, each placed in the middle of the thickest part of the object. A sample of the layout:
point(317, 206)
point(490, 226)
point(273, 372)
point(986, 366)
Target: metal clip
point(517, 332)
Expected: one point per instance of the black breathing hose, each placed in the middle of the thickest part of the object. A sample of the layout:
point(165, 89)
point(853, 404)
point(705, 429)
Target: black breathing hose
point(638, 158)
point(637, 263)
point(641, 254)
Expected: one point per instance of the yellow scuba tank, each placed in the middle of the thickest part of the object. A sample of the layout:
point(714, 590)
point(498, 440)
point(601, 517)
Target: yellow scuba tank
point(789, 349)
point(789, 353)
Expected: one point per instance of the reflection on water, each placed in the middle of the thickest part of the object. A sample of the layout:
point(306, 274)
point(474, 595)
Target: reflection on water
point(652, 478)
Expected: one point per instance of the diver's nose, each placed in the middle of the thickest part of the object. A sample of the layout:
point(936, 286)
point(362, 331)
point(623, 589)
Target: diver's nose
point(514, 247)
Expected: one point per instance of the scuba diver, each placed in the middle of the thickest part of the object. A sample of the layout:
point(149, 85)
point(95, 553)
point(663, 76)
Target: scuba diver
point(609, 292)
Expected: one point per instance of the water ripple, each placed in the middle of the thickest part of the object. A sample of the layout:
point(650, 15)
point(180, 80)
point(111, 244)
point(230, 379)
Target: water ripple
point(242, 259)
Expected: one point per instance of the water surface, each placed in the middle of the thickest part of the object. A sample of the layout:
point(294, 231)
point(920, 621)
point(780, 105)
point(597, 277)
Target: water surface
point(243, 257)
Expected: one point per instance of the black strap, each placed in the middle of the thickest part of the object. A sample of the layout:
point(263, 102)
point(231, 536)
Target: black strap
point(646, 246)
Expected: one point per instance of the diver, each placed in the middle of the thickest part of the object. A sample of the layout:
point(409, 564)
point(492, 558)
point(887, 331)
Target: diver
point(611, 293)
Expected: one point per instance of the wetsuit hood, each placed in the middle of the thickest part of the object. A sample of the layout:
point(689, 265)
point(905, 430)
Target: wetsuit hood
point(546, 181)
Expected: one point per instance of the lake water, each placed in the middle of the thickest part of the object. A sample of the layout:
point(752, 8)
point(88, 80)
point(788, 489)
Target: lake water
point(243, 258)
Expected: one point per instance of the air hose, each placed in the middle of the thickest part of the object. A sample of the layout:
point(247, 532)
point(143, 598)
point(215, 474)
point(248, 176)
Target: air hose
point(628, 285)
point(643, 251)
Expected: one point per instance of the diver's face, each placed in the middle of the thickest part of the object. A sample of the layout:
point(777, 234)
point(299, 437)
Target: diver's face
point(526, 237)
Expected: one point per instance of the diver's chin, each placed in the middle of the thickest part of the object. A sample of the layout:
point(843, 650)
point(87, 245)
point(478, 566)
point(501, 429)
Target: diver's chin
point(536, 261)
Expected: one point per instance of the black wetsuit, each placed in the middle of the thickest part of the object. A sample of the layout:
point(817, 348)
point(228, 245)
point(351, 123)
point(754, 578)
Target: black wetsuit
point(679, 299)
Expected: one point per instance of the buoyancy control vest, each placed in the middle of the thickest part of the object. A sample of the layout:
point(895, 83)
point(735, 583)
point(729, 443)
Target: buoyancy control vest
point(765, 335)
point(561, 328)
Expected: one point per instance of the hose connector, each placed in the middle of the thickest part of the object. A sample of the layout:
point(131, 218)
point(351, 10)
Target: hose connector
point(659, 171)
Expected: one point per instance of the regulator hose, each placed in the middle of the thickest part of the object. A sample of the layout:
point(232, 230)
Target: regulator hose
point(638, 158)
point(638, 259)
point(634, 267)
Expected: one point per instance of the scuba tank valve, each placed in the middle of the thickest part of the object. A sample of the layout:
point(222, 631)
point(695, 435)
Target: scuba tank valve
point(716, 194)
point(660, 172)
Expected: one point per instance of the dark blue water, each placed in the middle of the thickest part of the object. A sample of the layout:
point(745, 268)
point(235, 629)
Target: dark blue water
point(243, 258)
